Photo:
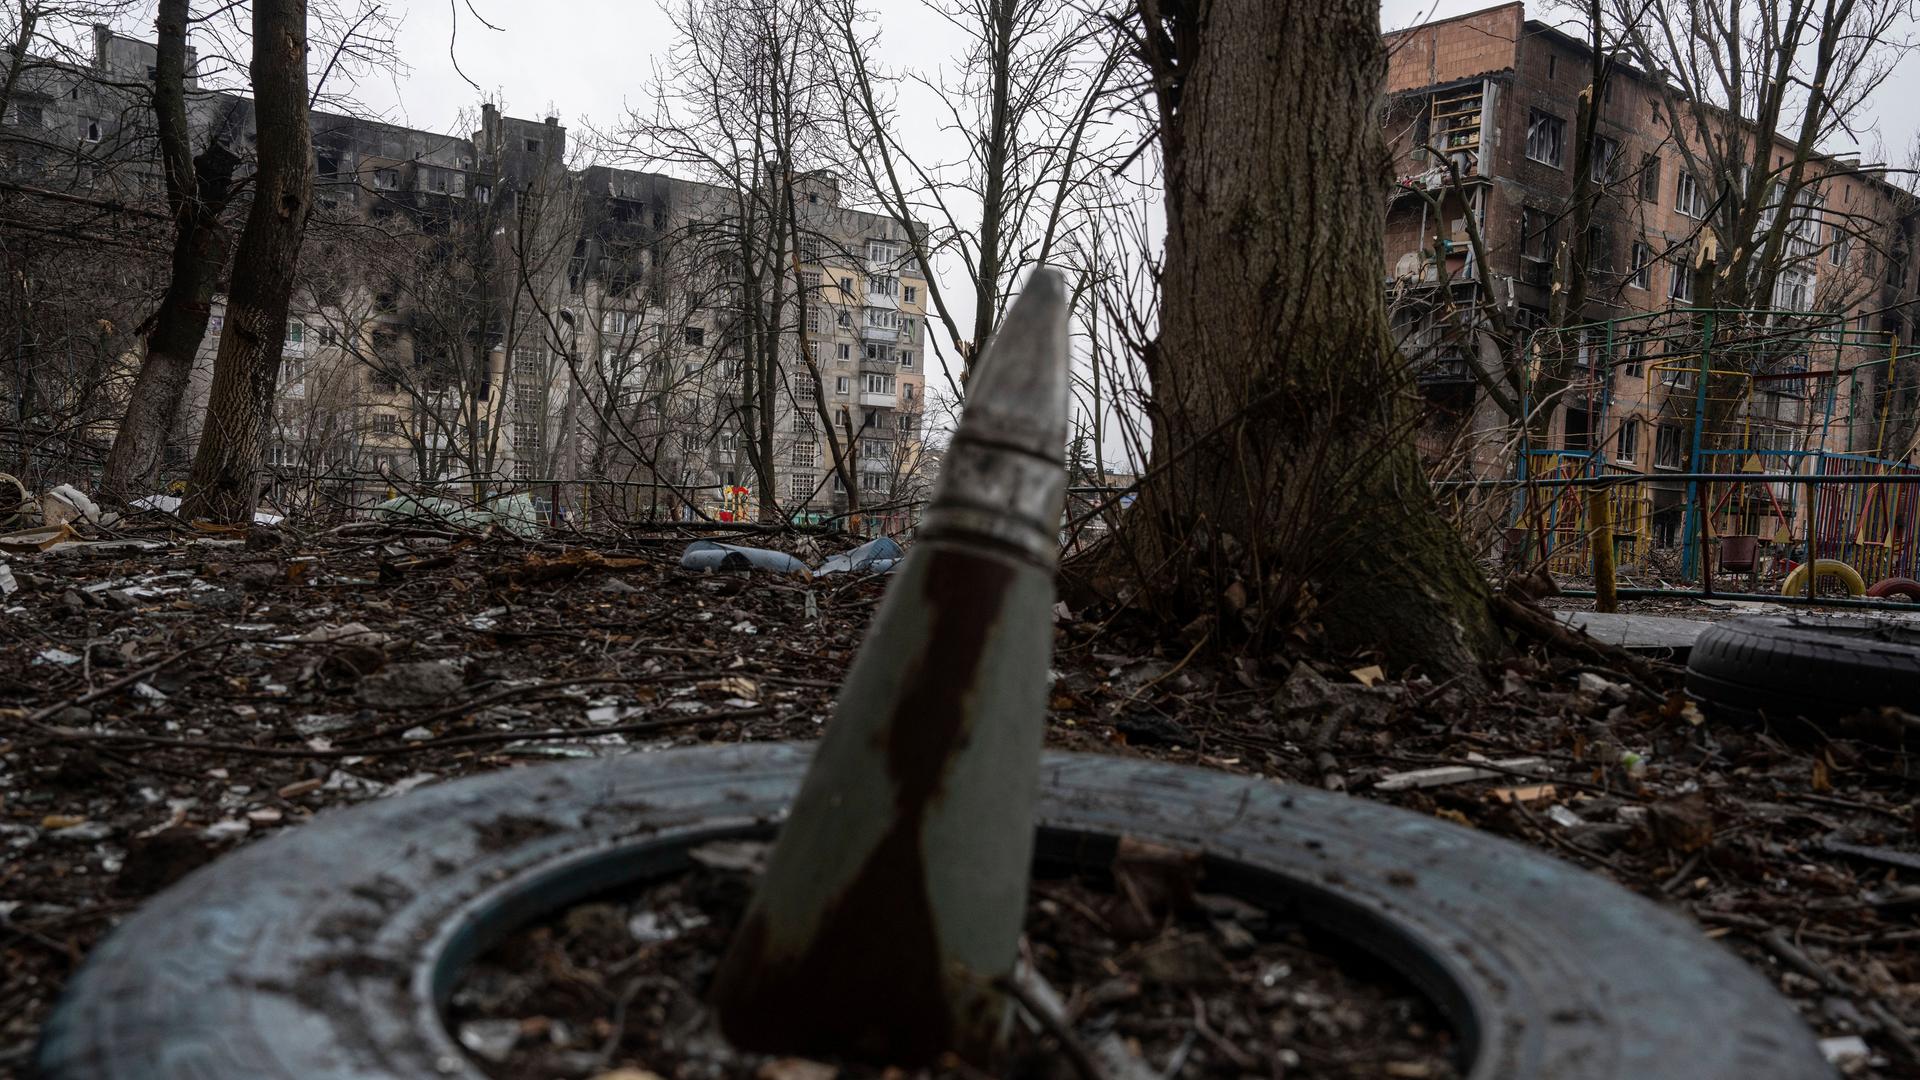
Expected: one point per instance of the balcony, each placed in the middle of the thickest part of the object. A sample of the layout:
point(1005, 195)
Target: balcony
point(1443, 367)
point(887, 400)
point(870, 332)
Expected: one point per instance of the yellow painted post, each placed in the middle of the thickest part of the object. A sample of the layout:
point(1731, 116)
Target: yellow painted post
point(1600, 539)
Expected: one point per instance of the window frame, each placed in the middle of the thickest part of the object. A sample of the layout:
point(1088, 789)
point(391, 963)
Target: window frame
point(1546, 135)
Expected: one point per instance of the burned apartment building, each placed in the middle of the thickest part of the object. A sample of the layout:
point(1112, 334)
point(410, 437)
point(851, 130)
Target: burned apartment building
point(471, 308)
point(1481, 114)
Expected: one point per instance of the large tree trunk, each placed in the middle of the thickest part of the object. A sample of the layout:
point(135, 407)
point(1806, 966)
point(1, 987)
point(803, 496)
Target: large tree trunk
point(1282, 414)
point(197, 192)
point(247, 367)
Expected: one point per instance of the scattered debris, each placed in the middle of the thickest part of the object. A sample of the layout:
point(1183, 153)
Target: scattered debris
point(1526, 794)
point(710, 555)
point(878, 556)
point(513, 512)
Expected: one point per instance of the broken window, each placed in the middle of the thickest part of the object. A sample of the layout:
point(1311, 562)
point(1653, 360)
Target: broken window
point(695, 335)
point(1629, 447)
point(1640, 274)
point(1686, 196)
point(1793, 290)
point(90, 129)
point(1630, 351)
point(1599, 250)
point(842, 384)
point(910, 294)
point(1606, 160)
point(1668, 446)
point(1579, 429)
point(1650, 178)
point(1546, 137)
point(1680, 282)
point(1536, 246)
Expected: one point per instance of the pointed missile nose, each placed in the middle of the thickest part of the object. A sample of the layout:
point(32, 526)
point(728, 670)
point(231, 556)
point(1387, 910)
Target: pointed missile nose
point(1018, 395)
point(1004, 484)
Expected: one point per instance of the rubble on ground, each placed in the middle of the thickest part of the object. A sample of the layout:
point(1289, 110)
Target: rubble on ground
point(174, 693)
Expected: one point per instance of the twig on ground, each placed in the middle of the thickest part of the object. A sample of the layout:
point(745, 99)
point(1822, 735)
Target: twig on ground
point(40, 716)
point(1020, 987)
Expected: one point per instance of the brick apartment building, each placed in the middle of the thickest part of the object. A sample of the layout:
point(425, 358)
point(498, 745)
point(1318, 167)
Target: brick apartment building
point(473, 307)
point(1493, 95)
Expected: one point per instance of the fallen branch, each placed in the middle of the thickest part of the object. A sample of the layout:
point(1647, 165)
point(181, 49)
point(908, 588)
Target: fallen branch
point(1534, 623)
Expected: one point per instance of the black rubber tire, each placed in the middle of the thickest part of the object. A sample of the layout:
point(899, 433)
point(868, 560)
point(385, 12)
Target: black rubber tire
point(1811, 666)
point(325, 952)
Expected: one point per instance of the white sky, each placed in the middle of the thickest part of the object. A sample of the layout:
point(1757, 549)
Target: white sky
point(585, 59)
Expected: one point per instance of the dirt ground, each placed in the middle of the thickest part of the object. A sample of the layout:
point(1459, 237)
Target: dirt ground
point(160, 706)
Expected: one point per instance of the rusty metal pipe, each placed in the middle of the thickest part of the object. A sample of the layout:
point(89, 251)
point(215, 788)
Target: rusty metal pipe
point(894, 896)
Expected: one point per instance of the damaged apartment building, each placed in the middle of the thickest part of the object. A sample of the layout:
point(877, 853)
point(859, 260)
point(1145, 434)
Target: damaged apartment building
point(473, 309)
point(1481, 117)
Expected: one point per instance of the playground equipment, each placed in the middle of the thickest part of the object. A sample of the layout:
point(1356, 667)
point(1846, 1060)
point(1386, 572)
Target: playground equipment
point(1774, 395)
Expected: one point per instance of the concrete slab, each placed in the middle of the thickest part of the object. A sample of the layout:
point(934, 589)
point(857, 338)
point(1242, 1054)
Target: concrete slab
point(1661, 635)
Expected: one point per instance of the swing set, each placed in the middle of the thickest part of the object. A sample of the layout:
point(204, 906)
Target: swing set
point(1662, 400)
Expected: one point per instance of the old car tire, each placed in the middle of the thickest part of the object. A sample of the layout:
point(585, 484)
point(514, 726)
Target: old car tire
point(1814, 666)
point(325, 952)
point(1895, 586)
point(1834, 569)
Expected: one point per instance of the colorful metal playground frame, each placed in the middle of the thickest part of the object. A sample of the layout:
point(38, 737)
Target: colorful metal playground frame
point(1727, 440)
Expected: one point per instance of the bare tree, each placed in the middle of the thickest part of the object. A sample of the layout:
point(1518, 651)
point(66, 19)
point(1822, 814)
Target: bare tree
point(198, 189)
point(1027, 95)
point(1752, 90)
point(247, 366)
point(743, 107)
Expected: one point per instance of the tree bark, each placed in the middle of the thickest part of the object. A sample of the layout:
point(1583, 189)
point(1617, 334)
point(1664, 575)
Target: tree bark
point(247, 367)
point(1282, 414)
point(198, 189)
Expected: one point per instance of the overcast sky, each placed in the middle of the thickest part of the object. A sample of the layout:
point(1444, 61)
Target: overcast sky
point(583, 60)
